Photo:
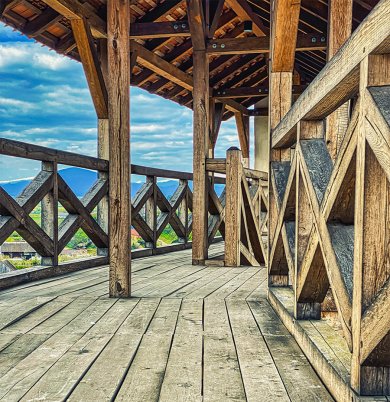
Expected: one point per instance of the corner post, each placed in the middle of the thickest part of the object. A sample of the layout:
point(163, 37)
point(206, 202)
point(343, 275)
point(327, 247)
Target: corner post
point(118, 20)
point(201, 131)
point(233, 207)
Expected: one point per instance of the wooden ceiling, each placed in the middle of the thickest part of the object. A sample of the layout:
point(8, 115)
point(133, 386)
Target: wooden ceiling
point(160, 32)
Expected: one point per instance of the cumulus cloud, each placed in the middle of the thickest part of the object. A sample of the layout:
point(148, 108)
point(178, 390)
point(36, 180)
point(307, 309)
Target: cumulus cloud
point(44, 100)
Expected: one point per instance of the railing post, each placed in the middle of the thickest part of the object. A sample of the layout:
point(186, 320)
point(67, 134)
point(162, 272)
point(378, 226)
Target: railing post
point(151, 212)
point(103, 153)
point(233, 207)
point(183, 213)
point(49, 213)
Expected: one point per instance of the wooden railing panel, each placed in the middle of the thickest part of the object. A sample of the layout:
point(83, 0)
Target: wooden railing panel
point(339, 232)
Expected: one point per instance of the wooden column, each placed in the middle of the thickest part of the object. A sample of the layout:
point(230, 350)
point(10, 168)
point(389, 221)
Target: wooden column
point(49, 213)
point(201, 131)
point(233, 207)
point(339, 30)
point(118, 20)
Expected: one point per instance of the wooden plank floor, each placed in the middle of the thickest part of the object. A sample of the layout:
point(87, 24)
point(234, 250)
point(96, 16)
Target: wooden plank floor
point(190, 333)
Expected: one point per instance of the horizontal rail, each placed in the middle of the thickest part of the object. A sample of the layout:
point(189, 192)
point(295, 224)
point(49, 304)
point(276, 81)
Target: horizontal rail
point(44, 154)
point(25, 150)
point(339, 79)
point(218, 165)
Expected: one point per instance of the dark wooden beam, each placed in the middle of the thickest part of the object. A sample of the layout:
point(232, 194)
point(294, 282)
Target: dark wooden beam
point(247, 92)
point(246, 13)
point(305, 42)
point(39, 24)
point(150, 30)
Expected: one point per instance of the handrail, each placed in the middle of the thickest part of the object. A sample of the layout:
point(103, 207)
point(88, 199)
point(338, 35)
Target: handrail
point(36, 152)
point(218, 165)
point(339, 79)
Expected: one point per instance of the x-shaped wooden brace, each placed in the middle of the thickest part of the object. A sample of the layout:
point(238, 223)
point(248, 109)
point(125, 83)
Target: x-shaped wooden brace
point(168, 210)
point(143, 194)
point(80, 213)
point(15, 214)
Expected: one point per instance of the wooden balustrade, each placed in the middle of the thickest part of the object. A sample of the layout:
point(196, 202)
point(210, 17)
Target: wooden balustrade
point(152, 210)
point(244, 210)
point(329, 222)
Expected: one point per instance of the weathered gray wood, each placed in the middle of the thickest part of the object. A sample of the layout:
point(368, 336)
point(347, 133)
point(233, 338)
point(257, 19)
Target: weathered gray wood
point(319, 164)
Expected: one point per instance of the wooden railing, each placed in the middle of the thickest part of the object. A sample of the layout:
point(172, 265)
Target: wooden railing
point(152, 211)
point(329, 219)
point(244, 210)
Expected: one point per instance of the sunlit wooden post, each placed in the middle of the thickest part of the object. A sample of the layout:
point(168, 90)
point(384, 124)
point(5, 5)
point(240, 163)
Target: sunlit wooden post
point(49, 213)
point(118, 20)
point(233, 207)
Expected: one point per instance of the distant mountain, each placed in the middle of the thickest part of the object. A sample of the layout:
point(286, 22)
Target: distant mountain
point(80, 181)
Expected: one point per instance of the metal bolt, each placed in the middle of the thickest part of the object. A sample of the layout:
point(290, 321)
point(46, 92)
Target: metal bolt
point(313, 39)
point(214, 45)
point(183, 26)
point(322, 39)
point(176, 26)
point(222, 46)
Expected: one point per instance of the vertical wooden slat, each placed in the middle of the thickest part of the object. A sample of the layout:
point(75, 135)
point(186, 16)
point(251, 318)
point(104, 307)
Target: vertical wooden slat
point(49, 213)
point(151, 211)
point(233, 207)
point(118, 20)
point(103, 153)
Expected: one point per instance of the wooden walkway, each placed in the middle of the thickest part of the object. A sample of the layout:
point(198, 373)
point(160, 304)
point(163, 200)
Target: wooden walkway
point(190, 333)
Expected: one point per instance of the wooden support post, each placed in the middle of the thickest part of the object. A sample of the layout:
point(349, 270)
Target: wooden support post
point(49, 214)
point(151, 211)
point(118, 20)
point(370, 371)
point(261, 143)
point(242, 123)
point(339, 30)
point(201, 131)
point(233, 207)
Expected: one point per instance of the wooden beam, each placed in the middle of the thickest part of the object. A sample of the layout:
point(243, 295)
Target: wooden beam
point(161, 67)
point(166, 29)
point(284, 34)
point(39, 24)
point(91, 65)
point(255, 45)
point(119, 133)
point(201, 129)
point(73, 10)
point(242, 123)
point(249, 92)
point(216, 17)
point(246, 13)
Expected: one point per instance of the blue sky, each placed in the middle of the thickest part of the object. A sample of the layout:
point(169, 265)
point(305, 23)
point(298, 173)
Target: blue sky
point(44, 100)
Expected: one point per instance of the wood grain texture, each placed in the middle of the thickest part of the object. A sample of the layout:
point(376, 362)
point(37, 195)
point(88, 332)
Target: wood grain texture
point(119, 133)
